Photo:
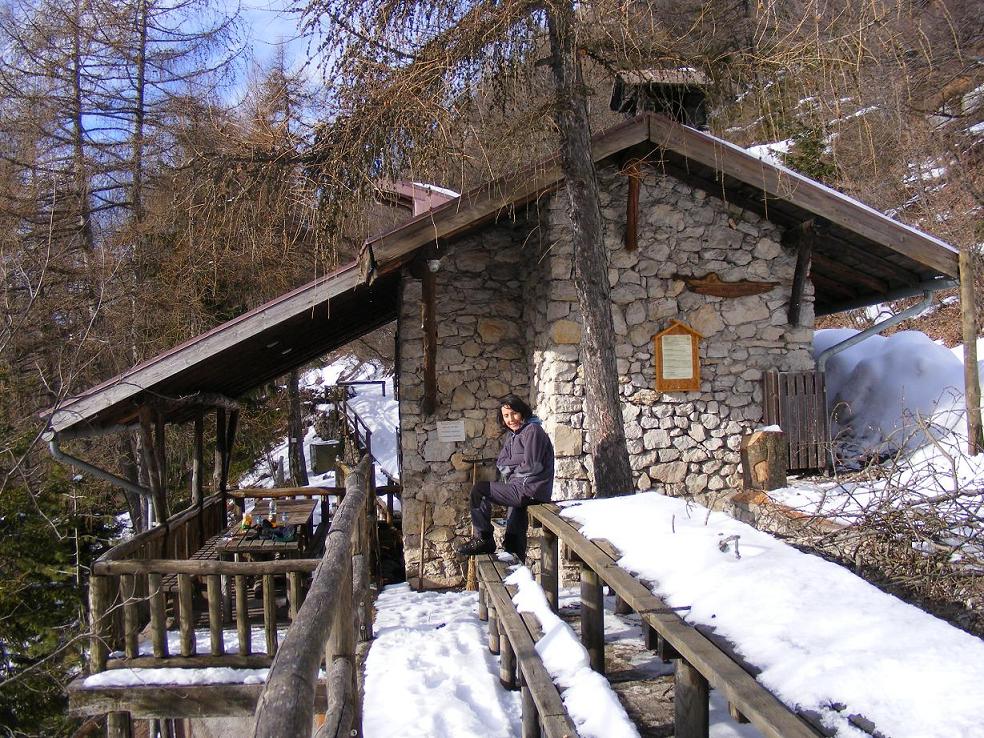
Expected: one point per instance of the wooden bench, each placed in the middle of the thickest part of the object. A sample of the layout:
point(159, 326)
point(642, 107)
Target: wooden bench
point(513, 636)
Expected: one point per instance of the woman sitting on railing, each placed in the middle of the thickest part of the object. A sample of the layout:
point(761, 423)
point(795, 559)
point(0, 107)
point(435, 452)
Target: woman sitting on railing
point(526, 464)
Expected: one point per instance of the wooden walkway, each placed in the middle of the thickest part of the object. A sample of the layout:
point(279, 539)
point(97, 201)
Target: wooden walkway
point(700, 663)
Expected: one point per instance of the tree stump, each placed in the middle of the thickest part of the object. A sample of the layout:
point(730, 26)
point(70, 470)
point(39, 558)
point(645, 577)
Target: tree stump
point(764, 460)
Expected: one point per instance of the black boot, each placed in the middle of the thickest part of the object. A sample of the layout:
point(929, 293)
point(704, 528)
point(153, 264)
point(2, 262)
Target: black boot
point(476, 546)
point(516, 545)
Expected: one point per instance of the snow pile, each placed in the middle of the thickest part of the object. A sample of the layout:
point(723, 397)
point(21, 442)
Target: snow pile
point(175, 676)
point(588, 697)
point(827, 642)
point(890, 394)
point(429, 672)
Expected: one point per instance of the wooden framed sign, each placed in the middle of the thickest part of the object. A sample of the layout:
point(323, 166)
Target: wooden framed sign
point(677, 358)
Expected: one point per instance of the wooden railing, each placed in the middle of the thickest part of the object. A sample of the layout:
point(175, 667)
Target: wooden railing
point(701, 663)
point(336, 612)
point(127, 595)
point(178, 537)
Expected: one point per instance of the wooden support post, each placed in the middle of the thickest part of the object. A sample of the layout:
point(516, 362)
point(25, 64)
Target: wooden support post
point(186, 615)
point(507, 660)
point(160, 451)
point(621, 606)
point(493, 630)
point(118, 725)
point(294, 593)
point(214, 591)
point(634, 171)
point(158, 625)
point(593, 618)
point(649, 636)
point(550, 567)
point(531, 716)
point(98, 623)
point(151, 460)
point(803, 256)
point(690, 688)
point(131, 615)
point(428, 317)
point(270, 615)
point(483, 607)
point(220, 441)
point(664, 650)
point(243, 631)
point(198, 462)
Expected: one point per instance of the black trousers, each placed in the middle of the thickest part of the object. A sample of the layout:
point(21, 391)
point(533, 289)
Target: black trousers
point(484, 495)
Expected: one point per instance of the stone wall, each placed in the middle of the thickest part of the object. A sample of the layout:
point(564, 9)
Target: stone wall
point(509, 320)
point(681, 442)
point(482, 356)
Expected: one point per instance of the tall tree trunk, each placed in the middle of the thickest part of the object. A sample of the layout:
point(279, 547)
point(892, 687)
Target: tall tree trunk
point(603, 408)
point(295, 433)
point(972, 384)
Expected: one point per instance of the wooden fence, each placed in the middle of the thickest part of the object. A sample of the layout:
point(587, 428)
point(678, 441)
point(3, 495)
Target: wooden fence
point(701, 663)
point(797, 403)
point(336, 612)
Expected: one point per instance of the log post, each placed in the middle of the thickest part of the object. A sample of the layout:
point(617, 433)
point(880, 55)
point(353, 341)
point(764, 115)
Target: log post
point(493, 630)
point(550, 567)
point(531, 716)
point(198, 462)
point(220, 440)
point(690, 710)
point(428, 318)
point(158, 626)
point(804, 254)
point(483, 608)
point(131, 615)
point(270, 614)
point(593, 618)
point(214, 591)
point(98, 623)
point(507, 661)
point(764, 460)
point(186, 615)
point(243, 631)
point(968, 323)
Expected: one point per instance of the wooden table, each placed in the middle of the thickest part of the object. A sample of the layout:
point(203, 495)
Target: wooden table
point(300, 513)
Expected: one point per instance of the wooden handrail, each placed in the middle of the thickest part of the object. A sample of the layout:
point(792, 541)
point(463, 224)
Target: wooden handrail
point(701, 662)
point(249, 493)
point(286, 706)
point(140, 540)
point(201, 567)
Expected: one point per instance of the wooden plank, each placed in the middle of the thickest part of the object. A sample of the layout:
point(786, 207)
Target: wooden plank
point(294, 593)
point(204, 567)
point(786, 185)
point(507, 661)
point(141, 540)
point(766, 712)
point(152, 701)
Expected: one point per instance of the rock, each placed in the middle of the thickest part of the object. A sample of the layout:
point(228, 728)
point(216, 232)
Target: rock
point(567, 441)
point(566, 331)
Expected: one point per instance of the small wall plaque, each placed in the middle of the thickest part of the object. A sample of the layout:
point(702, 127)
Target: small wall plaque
point(677, 358)
point(450, 431)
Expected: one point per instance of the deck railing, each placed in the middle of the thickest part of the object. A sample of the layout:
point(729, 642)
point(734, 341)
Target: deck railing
point(336, 612)
point(700, 662)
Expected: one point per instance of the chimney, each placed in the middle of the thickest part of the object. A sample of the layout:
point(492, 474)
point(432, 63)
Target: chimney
point(676, 93)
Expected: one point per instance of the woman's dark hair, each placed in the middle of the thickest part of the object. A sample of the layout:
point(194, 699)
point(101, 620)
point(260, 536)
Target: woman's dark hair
point(517, 404)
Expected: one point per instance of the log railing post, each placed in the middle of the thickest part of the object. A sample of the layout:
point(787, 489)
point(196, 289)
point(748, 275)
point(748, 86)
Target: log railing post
point(550, 567)
point(690, 710)
point(99, 623)
point(593, 618)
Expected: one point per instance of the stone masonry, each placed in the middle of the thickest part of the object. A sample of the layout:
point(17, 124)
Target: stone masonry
point(509, 320)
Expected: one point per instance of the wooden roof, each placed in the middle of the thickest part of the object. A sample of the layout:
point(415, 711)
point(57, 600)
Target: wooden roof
point(860, 254)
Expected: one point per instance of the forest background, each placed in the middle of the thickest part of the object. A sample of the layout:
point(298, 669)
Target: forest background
point(156, 180)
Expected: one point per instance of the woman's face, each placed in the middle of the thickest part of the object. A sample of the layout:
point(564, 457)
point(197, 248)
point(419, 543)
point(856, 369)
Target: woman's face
point(512, 419)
